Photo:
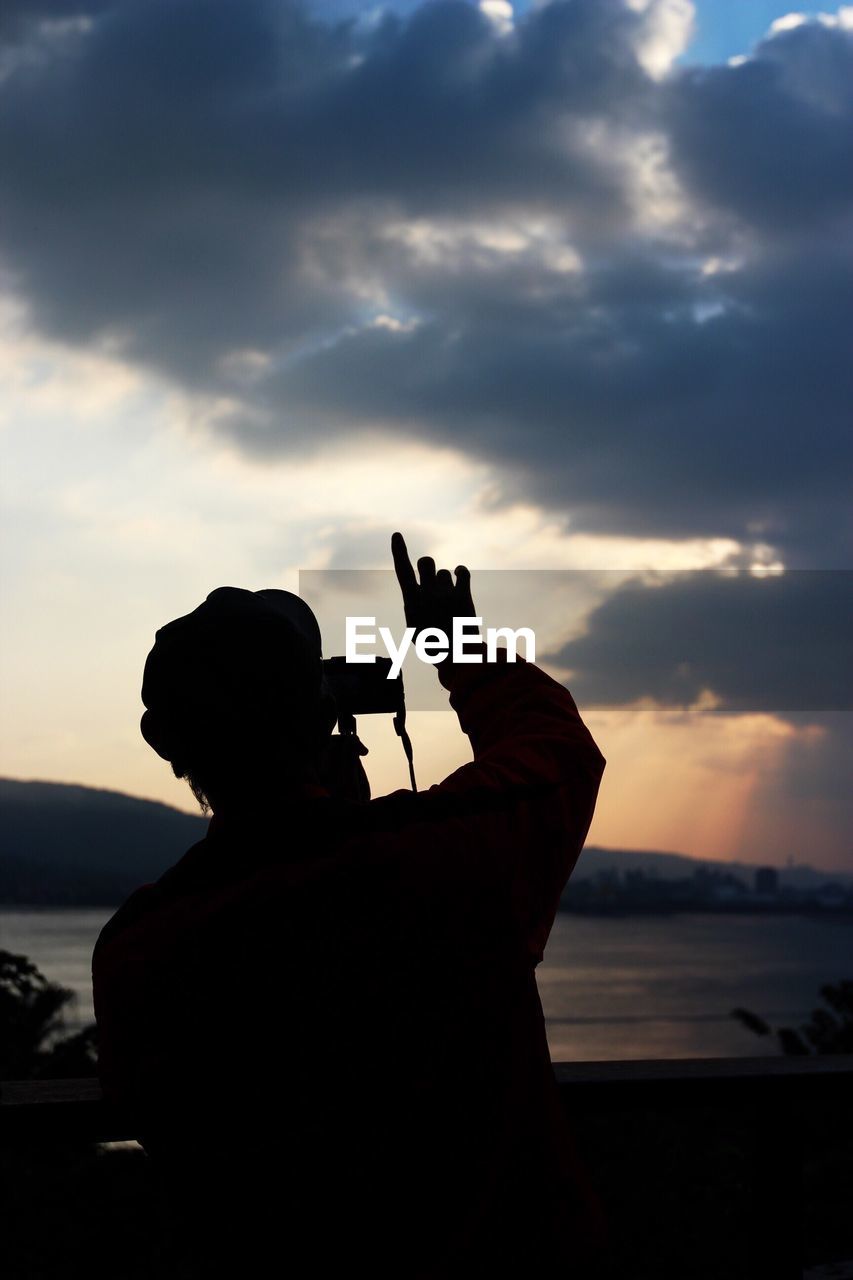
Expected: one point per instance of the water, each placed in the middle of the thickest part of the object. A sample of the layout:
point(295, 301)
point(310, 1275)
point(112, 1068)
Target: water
point(638, 987)
point(59, 941)
point(663, 987)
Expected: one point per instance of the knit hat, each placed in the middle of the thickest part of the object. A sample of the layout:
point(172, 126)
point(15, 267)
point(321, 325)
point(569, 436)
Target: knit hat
point(238, 661)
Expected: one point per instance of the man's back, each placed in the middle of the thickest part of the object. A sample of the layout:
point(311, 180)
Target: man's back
point(330, 1021)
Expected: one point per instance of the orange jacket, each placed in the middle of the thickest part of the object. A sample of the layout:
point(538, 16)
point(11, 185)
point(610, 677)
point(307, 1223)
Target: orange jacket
point(329, 1022)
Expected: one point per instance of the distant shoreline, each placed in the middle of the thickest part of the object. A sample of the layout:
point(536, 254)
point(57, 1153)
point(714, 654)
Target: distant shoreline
point(597, 910)
point(711, 909)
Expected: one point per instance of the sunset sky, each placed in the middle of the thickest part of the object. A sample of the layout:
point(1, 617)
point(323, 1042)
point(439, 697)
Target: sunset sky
point(548, 286)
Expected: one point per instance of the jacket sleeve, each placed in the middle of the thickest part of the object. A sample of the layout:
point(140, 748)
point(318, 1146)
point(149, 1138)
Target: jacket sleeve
point(525, 802)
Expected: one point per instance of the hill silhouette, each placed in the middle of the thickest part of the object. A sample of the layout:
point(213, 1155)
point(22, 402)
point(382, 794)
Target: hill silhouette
point(75, 846)
point(63, 845)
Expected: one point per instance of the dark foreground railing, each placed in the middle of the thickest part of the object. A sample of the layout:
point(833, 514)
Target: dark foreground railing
point(773, 1094)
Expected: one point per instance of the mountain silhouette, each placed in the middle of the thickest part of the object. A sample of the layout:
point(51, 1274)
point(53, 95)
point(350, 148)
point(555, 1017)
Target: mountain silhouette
point(64, 845)
point(77, 846)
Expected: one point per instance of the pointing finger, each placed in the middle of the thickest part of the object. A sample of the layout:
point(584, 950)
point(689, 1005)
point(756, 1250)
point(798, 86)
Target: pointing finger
point(403, 565)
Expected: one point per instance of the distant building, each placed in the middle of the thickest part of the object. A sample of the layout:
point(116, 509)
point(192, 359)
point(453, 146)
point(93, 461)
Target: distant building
point(767, 881)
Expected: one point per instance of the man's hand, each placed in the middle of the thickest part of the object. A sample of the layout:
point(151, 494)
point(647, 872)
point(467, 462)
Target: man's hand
point(341, 770)
point(436, 600)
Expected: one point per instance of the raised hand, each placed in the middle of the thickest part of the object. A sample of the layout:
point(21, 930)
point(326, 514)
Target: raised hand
point(436, 600)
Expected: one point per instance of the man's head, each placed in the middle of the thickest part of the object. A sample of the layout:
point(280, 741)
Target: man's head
point(235, 695)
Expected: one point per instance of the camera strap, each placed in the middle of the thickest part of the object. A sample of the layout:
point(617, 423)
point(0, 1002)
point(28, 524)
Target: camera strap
point(402, 734)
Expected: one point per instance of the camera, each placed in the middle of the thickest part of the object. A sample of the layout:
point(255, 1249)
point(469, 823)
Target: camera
point(361, 689)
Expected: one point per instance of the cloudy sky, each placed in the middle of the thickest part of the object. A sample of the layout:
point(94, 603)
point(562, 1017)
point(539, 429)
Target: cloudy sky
point(549, 286)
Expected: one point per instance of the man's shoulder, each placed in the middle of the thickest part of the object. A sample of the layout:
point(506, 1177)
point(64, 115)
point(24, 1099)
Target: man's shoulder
point(131, 910)
point(144, 900)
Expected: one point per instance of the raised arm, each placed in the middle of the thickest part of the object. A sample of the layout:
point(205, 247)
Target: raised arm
point(529, 794)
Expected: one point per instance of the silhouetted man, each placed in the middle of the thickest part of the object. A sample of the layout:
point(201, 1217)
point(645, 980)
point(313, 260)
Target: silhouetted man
point(326, 1014)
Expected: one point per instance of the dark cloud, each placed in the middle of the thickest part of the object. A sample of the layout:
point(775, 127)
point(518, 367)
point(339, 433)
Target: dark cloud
point(613, 401)
point(771, 138)
point(194, 181)
point(778, 644)
point(162, 175)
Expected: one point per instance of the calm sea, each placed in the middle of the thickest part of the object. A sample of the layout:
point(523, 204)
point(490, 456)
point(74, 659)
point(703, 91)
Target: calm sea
point(611, 988)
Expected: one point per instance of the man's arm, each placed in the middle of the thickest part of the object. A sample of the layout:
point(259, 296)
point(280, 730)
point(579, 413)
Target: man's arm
point(535, 756)
point(526, 800)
